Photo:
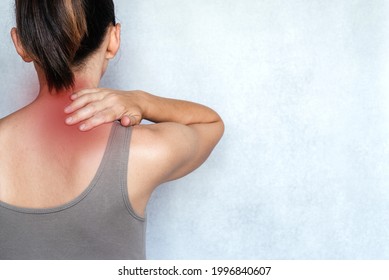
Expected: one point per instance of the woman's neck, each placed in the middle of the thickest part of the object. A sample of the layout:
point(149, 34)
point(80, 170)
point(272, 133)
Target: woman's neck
point(47, 111)
point(53, 101)
point(88, 78)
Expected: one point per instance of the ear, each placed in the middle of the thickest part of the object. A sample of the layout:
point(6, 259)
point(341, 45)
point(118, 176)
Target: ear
point(114, 41)
point(18, 46)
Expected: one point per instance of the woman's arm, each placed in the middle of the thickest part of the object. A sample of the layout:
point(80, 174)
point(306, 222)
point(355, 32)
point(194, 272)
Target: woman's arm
point(93, 107)
point(183, 136)
point(159, 109)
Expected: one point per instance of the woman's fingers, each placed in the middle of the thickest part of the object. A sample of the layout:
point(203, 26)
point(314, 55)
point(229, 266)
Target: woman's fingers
point(93, 107)
point(105, 116)
point(85, 113)
point(86, 103)
point(82, 100)
point(84, 92)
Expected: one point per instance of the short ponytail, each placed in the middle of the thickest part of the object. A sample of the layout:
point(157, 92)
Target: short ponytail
point(61, 34)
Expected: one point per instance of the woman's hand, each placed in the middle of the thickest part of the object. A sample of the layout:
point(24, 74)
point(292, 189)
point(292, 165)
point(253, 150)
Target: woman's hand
point(93, 107)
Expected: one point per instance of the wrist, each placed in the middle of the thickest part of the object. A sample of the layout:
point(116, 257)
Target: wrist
point(141, 98)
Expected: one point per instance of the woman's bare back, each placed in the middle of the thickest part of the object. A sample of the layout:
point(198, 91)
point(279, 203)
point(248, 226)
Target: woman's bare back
point(43, 162)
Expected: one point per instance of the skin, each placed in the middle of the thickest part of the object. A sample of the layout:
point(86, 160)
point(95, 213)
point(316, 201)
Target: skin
point(51, 158)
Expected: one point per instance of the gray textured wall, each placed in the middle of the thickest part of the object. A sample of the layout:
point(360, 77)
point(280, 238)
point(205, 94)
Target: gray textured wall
point(303, 169)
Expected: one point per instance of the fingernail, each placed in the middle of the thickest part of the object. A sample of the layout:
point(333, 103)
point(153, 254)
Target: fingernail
point(67, 109)
point(69, 120)
point(83, 127)
point(73, 96)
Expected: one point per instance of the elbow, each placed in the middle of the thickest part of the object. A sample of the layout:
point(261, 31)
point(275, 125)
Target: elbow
point(221, 127)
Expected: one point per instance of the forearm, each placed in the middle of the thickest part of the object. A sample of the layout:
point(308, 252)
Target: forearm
point(159, 109)
point(93, 107)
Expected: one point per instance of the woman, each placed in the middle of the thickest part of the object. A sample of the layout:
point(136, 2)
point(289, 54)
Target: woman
point(72, 192)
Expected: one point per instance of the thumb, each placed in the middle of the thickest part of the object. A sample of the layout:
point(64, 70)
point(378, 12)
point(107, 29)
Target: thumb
point(130, 120)
point(125, 121)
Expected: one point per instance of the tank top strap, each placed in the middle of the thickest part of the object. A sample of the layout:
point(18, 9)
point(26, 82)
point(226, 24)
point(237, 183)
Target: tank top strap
point(112, 181)
point(118, 147)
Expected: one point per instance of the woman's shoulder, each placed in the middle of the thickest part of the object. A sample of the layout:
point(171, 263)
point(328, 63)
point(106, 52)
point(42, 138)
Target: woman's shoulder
point(2, 129)
point(164, 148)
point(158, 138)
point(6, 125)
point(11, 123)
point(9, 120)
point(8, 136)
point(150, 147)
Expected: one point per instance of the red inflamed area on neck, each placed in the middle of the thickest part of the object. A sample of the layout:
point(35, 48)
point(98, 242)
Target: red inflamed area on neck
point(50, 127)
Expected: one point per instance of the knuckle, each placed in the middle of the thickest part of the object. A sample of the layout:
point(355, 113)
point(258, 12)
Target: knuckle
point(91, 107)
point(112, 98)
point(92, 122)
point(103, 117)
point(99, 116)
point(81, 101)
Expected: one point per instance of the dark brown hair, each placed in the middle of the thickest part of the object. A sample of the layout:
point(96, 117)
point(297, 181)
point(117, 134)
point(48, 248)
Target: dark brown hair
point(60, 34)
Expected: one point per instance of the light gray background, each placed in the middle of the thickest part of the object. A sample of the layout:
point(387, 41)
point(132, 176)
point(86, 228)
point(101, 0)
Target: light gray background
point(303, 169)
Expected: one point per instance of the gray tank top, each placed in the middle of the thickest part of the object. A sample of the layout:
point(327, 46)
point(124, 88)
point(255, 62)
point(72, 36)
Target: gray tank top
point(99, 224)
